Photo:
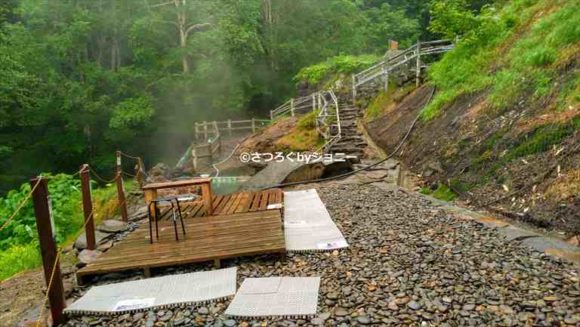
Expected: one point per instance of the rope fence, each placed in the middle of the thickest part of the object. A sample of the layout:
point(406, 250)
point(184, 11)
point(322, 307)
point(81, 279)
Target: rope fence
point(50, 250)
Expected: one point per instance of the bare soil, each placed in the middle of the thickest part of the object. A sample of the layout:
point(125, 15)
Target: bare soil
point(462, 146)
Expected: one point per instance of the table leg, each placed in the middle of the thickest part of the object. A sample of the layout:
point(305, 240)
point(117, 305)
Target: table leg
point(207, 195)
point(149, 196)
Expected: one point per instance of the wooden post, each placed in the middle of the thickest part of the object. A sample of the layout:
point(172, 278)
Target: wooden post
point(386, 77)
point(204, 130)
point(271, 115)
point(48, 250)
point(140, 172)
point(194, 158)
point(230, 127)
point(88, 207)
point(418, 67)
point(254, 123)
point(313, 102)
point(292, 106)
point(196, 131)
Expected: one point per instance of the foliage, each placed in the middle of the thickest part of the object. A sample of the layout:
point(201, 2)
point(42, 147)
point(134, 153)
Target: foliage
point(544, 40)
point(19, 240)
point(384, 100)
point(314, 74)
point(542, 139)
point(86, 78)
point(303, 137)
point(442, 192)
point(19, 258)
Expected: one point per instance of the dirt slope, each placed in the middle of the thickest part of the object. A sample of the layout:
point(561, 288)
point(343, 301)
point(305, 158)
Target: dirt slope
point(524, 163)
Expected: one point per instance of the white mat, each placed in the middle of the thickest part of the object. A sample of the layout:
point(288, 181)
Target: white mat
point(159, 292)
point(307, 223)
point(290, 297)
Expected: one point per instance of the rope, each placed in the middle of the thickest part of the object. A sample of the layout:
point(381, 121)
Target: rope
point(20, 206)
point(129, 156)
point(56, 260)
point(363, 168)
point(94, 173)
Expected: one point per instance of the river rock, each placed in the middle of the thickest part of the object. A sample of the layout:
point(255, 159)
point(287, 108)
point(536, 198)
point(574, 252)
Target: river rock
point(112, 226)
point(88, 256)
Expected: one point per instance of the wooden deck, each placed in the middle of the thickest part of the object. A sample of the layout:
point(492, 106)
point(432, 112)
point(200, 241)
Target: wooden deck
point(242, 227)
point(233, 203)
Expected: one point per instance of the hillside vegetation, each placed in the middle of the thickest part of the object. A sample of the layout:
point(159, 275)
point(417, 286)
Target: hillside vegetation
point(502, 130)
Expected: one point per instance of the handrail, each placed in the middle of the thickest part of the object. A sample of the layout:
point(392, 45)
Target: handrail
point(325, 122)
point(387, 65)
point(204, 130)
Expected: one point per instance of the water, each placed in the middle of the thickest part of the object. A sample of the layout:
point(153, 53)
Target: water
point(227, 184)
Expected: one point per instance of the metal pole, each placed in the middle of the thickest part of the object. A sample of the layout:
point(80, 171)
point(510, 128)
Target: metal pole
point(88, 207)
point(48, 250)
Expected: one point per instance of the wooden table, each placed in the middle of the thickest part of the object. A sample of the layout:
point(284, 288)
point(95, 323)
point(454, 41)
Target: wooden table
point(150, 190)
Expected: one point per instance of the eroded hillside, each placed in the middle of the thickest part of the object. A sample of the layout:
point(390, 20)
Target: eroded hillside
point(502, 128)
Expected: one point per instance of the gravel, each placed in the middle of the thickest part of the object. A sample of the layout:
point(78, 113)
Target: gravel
point(409, 263)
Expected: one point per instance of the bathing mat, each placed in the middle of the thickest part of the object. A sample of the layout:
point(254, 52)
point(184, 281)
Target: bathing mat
point(159, 292)
point(307, 223)
point(289, 297)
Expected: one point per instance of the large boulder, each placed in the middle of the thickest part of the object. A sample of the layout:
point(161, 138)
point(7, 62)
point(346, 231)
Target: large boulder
point(87, 256)
point(112, 226)
point(81, 242)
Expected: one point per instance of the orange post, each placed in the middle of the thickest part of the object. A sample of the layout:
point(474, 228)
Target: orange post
point(48, 250)
point(88, 207)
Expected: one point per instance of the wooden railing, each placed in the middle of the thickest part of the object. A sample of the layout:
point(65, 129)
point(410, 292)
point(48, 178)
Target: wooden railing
point(211, 146)
point(400, 61)
point(205, 129)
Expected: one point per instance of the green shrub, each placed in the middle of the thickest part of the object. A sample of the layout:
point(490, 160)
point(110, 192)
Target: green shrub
point(19, 258)
point(542, 139)
point(308, 121)
point(488, 55)
point(19, 240)
point(443, 192)
point(336, 65)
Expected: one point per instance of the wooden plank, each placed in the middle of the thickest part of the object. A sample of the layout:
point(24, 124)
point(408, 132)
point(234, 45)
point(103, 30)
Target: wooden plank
point(175, 184)
point(246, 198)
point(222, 204)
point(255, 202)
point(233, 199)
point(214, 239)
point(235, 204)
point(197, 210)
point(264, 200)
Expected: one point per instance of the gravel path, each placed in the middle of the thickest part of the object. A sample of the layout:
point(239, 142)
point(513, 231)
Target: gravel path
point(408, 263)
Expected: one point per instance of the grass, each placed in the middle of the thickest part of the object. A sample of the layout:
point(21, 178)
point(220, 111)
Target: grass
point(22, 257)
point(515, 52)
point(386, 99)
point(542, 139)
point(303, 137)
point(19, 258)
point(442, 192)
point(315, 74)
